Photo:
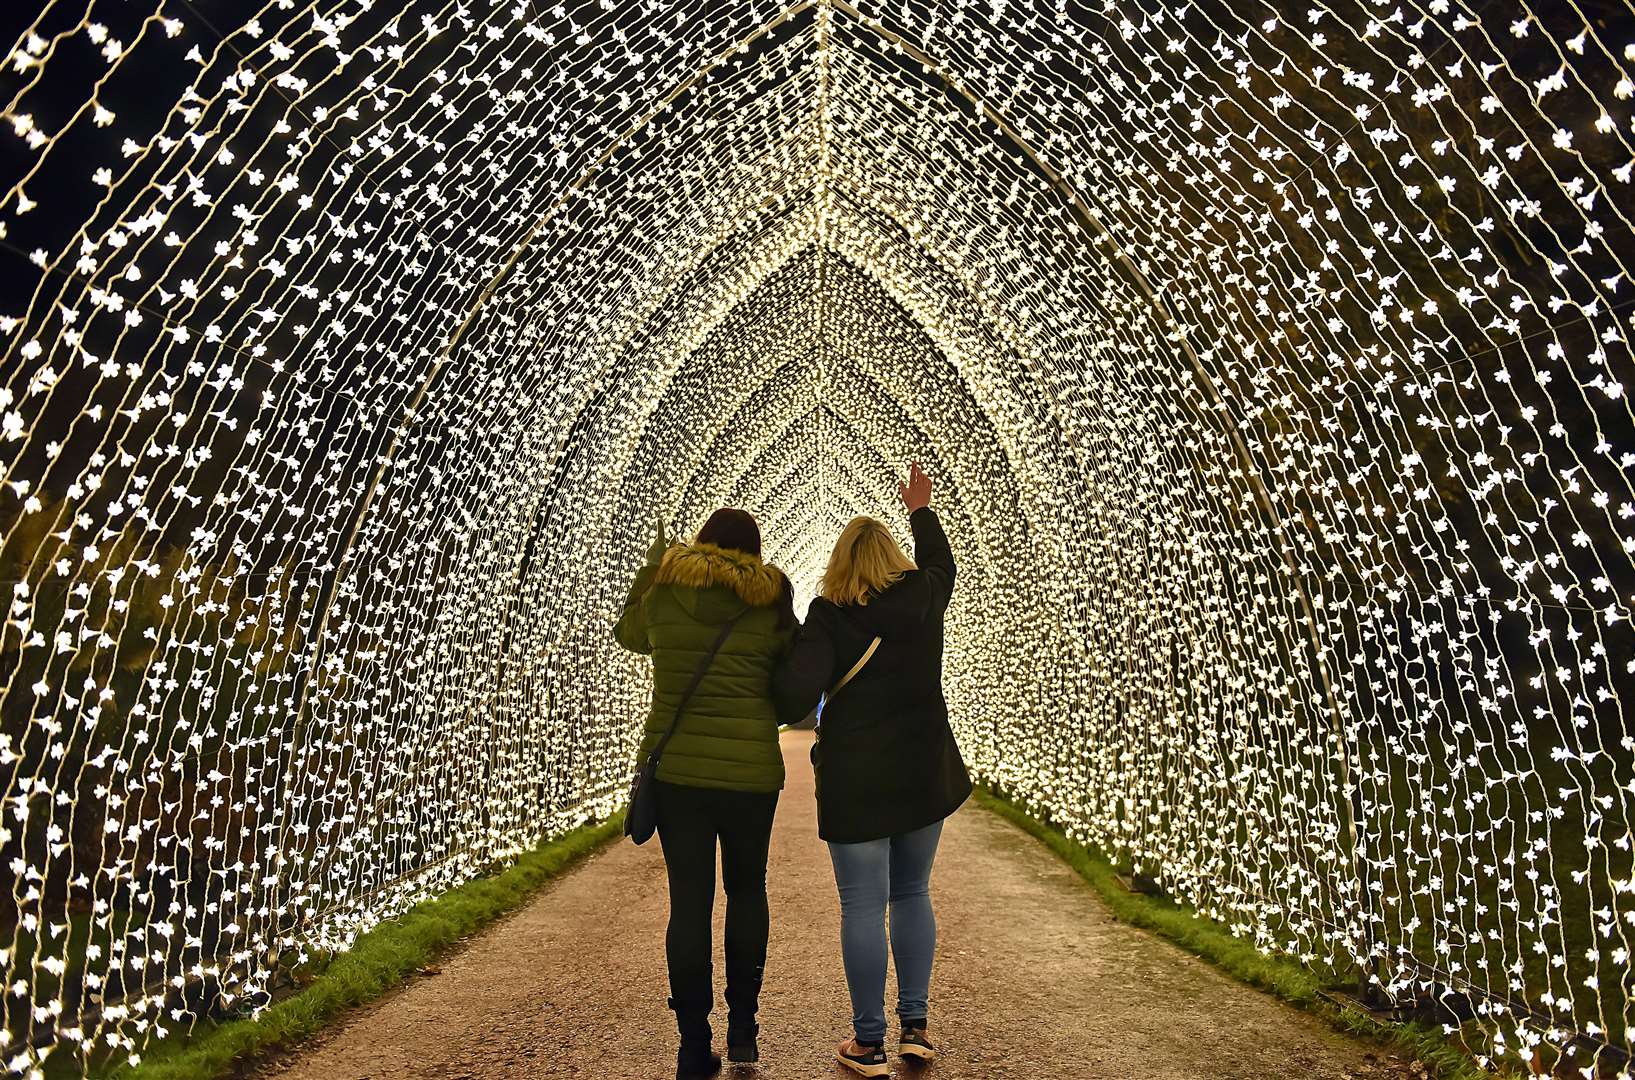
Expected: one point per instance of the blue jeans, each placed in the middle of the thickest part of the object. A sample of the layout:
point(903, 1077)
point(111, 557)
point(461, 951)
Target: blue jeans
point(897, 870)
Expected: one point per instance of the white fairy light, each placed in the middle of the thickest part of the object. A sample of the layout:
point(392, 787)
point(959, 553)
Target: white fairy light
point(1273, 367)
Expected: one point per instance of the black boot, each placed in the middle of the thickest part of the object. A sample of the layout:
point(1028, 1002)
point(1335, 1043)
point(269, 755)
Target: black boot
point(695, 1059)
point(741, 1044)
point(743, 1001)
point(697, 1066)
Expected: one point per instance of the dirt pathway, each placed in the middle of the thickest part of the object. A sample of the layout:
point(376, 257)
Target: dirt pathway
point(1033, 979)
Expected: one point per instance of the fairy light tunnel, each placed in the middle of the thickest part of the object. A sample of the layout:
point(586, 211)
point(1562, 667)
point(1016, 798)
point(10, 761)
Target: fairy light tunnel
point(1270, 359)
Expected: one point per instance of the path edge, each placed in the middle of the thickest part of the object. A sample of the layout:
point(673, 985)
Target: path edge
point(375, 965)
point(1286, 980)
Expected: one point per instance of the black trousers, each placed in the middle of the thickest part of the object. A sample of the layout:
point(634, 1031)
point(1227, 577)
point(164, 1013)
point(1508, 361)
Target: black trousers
point(691, 821)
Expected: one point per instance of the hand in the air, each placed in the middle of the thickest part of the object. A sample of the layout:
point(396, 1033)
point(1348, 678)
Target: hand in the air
point(917, 492)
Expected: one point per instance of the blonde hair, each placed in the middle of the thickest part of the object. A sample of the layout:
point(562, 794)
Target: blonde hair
point(865, 560)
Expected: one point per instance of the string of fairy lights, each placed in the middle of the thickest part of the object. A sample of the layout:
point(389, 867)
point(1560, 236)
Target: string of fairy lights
point(1270, 358)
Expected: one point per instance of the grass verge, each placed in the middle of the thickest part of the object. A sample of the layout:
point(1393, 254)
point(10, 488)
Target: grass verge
point(379, 961)
point(1204, 938)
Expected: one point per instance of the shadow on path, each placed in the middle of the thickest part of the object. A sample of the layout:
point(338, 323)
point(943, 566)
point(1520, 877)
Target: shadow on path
point(1034, 979)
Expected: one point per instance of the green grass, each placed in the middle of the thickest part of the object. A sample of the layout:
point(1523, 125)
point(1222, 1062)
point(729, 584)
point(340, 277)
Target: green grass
point(379, 961)
point(1278, 976)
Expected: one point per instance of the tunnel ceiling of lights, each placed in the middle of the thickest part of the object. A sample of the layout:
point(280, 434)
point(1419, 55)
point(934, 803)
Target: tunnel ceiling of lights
point(1272, 360)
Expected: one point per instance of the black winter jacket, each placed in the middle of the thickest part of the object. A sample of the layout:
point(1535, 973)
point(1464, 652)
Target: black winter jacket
point(886, 761)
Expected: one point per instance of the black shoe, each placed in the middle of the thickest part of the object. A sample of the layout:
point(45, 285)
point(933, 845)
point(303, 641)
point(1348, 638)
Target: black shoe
point(871, 1062)
point(741, 1045)
point(693, 1065)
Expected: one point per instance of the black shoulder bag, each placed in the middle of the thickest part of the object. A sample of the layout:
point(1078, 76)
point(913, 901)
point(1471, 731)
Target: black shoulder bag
point(642, 816)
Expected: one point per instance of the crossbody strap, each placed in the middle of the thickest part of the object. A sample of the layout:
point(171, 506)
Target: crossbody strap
point(698, 677)
point(846, 678)
point(861, 660)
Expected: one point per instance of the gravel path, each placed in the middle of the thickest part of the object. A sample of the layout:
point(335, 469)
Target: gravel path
point(1034, 979)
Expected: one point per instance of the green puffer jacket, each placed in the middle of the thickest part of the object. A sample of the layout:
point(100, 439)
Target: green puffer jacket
point(728, 737)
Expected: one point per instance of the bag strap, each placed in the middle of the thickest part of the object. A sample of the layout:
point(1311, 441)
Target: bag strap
point(846, 678)
point(698, 677)
point(861, 660)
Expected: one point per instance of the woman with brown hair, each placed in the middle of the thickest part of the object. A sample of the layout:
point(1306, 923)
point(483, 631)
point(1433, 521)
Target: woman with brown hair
point(719, 775)
point(887, 766)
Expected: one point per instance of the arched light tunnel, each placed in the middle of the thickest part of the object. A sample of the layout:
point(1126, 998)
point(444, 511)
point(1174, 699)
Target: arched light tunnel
point(1270, 359)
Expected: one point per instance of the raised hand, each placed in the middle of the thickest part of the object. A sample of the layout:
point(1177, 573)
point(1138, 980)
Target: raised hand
point(917, 492)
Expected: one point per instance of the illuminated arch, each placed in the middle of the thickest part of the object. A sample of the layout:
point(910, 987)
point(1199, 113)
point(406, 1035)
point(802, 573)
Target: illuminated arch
point(1272, 367)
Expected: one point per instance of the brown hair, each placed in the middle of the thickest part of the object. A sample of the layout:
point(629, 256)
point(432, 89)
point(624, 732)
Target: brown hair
point(732, 528)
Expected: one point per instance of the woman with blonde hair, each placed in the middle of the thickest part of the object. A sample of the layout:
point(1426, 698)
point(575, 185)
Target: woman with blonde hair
point(888, 769)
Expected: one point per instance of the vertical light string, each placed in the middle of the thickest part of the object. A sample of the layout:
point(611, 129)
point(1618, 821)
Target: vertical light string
point(823, 211)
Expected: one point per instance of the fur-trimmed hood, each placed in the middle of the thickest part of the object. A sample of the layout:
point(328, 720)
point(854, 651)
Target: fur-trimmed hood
point(703, 565)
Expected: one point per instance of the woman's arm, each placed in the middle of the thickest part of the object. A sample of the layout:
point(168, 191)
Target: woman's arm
point(802, 674)
point(931, 551)
point(631, 630)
